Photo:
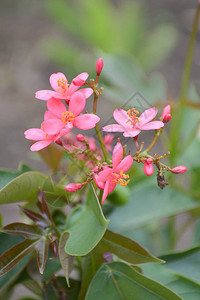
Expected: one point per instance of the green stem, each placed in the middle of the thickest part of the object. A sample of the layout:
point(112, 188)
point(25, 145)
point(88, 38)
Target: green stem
point(101, 142)
point(178, 118)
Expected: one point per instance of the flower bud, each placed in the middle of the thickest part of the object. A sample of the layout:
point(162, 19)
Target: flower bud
point(179, 169)
point(166, 114)
point(73, 187)
point(99, 66)
point(80, 137)
point(148, 167)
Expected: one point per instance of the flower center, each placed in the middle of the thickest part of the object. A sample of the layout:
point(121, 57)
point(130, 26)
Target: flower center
point(67, 117)
point(63, 85)
point(132, 113)
point(121, 178)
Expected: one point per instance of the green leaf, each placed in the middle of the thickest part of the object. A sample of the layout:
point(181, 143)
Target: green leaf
point(126, 249)
point(187, 289)
point(120, 281)
point(7, 241)
point(26, 230)
point(52, 266)
point(88, 229)
point(7, 175)
point(66, 260)
point(12, 256)
point(149, 203)
point(186, 263)
point(26, 187)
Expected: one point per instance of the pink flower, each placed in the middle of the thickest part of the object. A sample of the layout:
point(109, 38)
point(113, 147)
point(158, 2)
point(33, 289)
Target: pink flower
point(179, 169)
point(111, 176)
point(108, 139)
point(62, 89)
point(148, 167)
point(58, 117)
point(166, 114)
point(130, 124)
point(44, 139)
point(99, 66)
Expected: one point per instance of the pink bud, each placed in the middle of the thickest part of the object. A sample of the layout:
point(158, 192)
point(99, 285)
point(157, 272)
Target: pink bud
point(179, 169)
point(99, 66)
point(166, 114)
point(148, 167)
point(73, 187)
point(80, 137)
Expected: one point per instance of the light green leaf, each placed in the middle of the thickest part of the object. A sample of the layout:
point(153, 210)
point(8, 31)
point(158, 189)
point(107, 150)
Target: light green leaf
point(7, 175)
point(119, 281)
point(26, 187)
point(187, 289)
point(149, 203)
point(87, 229)
point(186, 263)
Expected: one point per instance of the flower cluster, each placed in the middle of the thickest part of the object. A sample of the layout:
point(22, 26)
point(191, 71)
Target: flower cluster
point(65, 110)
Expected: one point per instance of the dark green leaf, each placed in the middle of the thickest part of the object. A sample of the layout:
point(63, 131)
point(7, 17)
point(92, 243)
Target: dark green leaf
point(126, 249)
point(7, 241)
point(89, 265)
point(119, 281)
point(26, 230)
point(12, 256)
point(52, 266)
point(66, 260)
point(88, 229)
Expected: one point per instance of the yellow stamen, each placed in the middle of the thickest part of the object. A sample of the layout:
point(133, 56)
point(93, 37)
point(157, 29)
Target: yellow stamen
point(121, 178)
point(63, 85)
point(132, 113)
point(67, 117)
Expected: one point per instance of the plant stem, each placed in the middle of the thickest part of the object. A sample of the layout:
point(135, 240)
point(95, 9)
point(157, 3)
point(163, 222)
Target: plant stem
point(101, 142)
point(178, 118)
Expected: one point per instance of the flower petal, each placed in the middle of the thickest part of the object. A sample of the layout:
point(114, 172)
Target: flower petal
point(54, 79)
point(40, 145)
point(105, 192)
point(49, 115)
point(35, 134)
point(105, 175)
point(86, 121)
point(48, 94)
point(52, 126)
point(125, 164)
point(81, 78)
point(117, 155)
point(77, 103)
point(86, 92)
point(56, 107)
point(131, 132)
point(112, 185)
point(113, 128)
point(121, 117)
point(147, 115)
point(152, 125)
point(100, 184)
